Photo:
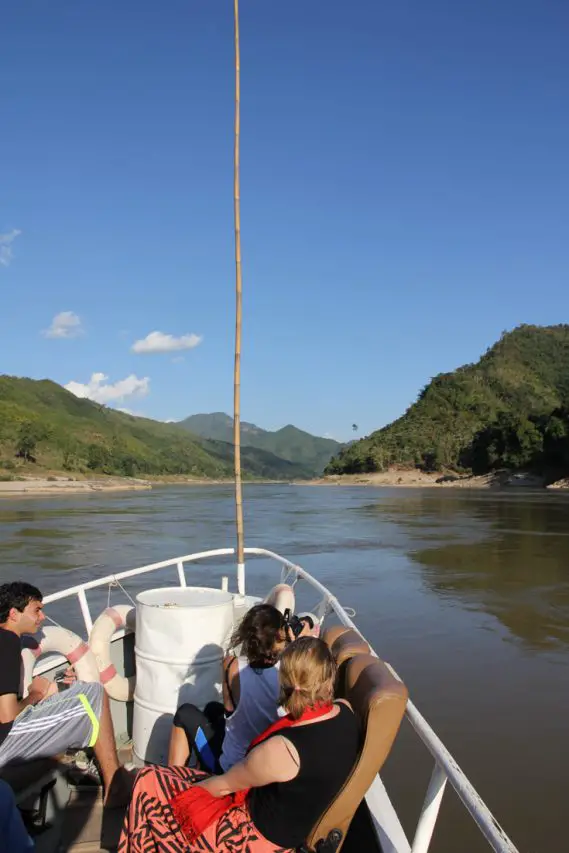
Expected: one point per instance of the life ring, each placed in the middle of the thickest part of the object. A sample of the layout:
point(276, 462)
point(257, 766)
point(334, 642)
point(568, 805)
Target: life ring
point(64, 642)
point(282, 597)
point(112, 619)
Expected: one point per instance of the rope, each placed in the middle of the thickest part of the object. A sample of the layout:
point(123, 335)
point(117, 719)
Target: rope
point(285, 576)
point(116, 582)
point(57, 625)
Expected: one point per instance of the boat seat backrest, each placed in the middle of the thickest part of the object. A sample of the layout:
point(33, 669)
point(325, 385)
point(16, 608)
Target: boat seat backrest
point(344, 643)
point(378, 699)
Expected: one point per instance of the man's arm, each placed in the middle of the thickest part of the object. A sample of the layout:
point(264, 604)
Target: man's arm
point(11, 706)
point(276, 760)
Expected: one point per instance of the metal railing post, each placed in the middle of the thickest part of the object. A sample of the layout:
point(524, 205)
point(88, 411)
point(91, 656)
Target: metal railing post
point(430, 810)
point(241, 578)
point(85, 610)
point(181, 573)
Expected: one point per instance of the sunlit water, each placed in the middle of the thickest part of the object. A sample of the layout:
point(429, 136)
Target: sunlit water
point(466, 594)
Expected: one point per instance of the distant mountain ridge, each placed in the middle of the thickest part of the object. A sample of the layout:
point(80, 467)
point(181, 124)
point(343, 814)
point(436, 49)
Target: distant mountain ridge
point(301, 448)
point(44, 425)
point(506, 405)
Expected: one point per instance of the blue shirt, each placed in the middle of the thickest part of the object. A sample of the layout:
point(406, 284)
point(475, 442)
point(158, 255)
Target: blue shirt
point(13, 835)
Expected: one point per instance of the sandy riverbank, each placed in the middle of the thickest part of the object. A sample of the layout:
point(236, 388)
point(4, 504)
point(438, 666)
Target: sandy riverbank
point(58, 484)
point(66, 485)
point(412, 479)
point(421, 479)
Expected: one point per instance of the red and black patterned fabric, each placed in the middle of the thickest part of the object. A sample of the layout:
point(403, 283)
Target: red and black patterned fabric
point(150, 825)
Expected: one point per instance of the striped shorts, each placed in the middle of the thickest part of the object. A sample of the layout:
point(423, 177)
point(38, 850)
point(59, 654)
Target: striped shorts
point(69, 720)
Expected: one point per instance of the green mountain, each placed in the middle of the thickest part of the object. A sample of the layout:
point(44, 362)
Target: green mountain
point(42, 423)
point(295, 445)
point(498, 403)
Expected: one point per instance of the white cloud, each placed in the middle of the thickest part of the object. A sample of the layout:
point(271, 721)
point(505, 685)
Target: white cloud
point(6, 241)
point(160, 342)
point(66, 324)
point(98, 390)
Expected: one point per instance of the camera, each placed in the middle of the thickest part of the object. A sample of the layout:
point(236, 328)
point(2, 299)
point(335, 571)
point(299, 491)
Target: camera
point(295, 623)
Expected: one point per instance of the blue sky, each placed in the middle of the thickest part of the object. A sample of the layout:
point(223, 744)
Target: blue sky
point(405, 197)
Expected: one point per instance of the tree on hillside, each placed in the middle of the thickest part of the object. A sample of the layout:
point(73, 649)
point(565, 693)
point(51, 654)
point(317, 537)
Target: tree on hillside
point(29, 435)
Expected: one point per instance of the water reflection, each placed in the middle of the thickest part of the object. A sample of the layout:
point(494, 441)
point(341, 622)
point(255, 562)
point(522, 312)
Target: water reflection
point(507, 555)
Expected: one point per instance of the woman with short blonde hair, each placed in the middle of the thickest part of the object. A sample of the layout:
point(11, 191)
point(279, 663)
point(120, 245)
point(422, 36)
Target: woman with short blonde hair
point(272, 799)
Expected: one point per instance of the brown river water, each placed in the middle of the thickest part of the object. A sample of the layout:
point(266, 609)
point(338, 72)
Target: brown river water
point(466, 594)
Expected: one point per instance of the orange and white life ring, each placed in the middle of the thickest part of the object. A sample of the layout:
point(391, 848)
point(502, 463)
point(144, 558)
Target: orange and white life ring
point(282, 597)
point(64, 642)
point(112, 619)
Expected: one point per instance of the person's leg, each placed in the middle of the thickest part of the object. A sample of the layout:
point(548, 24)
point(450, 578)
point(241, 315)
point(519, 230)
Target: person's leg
point(149, 822)
point(117, 782)
point(235, 832)
point(105, 747)
point(74, 719)
point(215, 713)
point(193, 731)
point(13, 834)
point(179, 750)
point(68, 720)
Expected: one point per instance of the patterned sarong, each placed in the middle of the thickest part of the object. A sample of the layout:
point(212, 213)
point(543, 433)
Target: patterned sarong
point(150, 825)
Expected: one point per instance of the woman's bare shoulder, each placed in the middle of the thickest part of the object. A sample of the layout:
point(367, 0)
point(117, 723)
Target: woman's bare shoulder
point(280, 757)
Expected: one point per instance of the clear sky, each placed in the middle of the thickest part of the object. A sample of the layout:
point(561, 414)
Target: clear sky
point(405, 195)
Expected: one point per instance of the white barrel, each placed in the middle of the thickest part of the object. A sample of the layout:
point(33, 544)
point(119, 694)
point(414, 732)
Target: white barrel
point(181, 633)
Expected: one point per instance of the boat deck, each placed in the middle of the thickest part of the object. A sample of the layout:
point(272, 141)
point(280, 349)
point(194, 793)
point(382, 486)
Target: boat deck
point(86, 827)
point(77, 821)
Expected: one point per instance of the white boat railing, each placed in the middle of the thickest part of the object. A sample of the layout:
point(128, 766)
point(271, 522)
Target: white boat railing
point(445, 767)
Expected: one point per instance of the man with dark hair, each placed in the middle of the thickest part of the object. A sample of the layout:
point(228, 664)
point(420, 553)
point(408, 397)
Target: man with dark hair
point(47, 722)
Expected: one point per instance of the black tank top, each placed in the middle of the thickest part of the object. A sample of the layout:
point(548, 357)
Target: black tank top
point(285, 812)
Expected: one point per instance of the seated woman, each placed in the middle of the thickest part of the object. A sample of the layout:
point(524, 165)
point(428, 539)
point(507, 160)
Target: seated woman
point(220, 734)
point(277, 793)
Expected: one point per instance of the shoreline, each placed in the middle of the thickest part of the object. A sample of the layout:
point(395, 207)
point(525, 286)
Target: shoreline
point(416, 479)
point(59, 484)
point(53, 484)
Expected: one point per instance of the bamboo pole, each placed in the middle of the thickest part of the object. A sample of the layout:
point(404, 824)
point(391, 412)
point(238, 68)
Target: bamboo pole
point(238, 310)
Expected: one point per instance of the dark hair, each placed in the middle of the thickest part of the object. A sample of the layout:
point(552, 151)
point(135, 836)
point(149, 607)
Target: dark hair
point(257, 634)
point(17, 594)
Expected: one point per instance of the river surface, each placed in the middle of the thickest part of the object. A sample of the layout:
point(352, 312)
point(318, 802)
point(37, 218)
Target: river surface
point(465, 593)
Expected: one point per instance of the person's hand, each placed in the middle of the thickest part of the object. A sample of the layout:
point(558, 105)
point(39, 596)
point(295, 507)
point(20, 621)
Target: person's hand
point(212, 785)
point(69, 676)
point(305, 632)
point(52, 690)
point(289, 634)
point(41, 688)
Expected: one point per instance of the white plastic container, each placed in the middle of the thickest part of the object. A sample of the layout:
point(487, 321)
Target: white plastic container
point(180, 637)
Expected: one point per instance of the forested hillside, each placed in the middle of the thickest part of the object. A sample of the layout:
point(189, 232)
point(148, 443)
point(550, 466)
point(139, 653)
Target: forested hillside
point(507, 410)
point(42, 424)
